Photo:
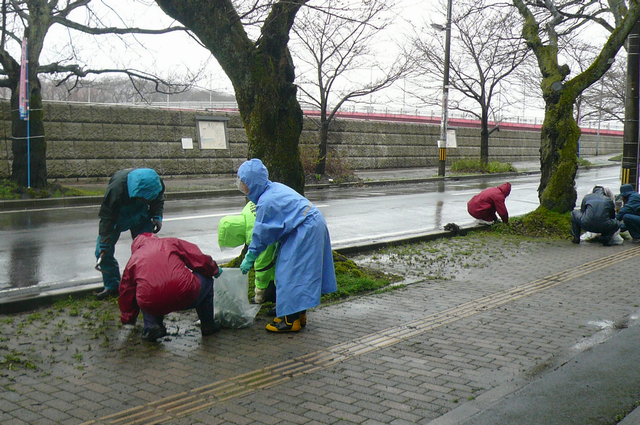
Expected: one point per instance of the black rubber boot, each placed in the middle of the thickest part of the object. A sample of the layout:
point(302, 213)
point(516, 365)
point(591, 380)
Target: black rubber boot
point(106, 293)
point(154, 332)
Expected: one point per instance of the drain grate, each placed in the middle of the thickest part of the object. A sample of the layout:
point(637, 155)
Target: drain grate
point(199, 399)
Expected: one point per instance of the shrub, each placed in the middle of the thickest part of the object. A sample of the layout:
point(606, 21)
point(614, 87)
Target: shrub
point(337, 169)
point(475, 166)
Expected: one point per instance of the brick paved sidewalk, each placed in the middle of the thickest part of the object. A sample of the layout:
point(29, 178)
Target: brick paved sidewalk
point(485, 313)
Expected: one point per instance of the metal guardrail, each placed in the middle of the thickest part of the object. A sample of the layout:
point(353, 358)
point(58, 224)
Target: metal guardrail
point(370, 113)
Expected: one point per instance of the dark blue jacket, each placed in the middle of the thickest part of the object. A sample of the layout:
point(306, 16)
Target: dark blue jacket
point(632, 206)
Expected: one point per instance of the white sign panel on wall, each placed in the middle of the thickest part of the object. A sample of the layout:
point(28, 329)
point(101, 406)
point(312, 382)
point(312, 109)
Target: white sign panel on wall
point(187, 143)
point(212, 132)
point(451, 140)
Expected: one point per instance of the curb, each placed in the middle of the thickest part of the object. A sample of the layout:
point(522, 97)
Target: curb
point(29, 298)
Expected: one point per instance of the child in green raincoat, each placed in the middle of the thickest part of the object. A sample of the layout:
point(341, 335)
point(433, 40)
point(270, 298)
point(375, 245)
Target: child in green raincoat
point(236, 230)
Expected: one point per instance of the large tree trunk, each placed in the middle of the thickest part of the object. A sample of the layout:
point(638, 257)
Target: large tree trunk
point(34, 152)
point(272, 118)
point(558, 156)
point(262, 74)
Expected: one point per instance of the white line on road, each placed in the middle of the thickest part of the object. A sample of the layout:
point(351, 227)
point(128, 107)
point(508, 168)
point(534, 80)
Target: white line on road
point(196, 217)
point(605, 178)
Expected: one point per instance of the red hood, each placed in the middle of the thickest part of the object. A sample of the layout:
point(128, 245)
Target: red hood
point(141, 240)
point(505, 189)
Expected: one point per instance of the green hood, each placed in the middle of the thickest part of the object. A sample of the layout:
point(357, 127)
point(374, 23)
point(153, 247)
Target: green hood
point(236, 230)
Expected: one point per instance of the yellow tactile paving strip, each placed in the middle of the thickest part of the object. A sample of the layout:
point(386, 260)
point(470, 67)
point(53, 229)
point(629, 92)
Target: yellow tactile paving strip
point(199, 399)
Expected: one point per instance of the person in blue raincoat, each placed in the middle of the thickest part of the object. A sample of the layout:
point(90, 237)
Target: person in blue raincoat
point(304, 269)
point(134, 200)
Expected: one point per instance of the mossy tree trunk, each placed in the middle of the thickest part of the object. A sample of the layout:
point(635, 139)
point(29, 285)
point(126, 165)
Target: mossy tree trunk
point(262, 74)
point(560, 132)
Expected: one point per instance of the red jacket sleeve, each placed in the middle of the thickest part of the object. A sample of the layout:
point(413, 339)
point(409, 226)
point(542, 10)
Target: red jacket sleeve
point(194, 258)
point(501, 208)
point(129, 309)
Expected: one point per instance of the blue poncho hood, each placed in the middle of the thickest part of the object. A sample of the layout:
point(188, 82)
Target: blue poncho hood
point(144, 183)
point(255, 175)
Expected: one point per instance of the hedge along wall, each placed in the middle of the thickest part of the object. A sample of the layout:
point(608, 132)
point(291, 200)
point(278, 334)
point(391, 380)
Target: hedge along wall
point(94, 141)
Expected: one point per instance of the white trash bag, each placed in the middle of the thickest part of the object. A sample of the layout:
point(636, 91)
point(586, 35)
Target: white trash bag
point(231, 307)
point(616, 239)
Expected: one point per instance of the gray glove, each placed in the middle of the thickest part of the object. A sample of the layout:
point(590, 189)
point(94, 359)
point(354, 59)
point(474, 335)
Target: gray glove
point(157, 225)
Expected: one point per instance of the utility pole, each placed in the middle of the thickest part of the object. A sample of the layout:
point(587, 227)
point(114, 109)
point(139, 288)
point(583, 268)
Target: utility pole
point(631, 110)
point(442, 143)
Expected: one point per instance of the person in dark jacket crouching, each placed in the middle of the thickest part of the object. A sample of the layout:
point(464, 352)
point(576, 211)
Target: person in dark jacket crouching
point(629, 214)
point(134, 200)
point(596, 214)
point(165, 275)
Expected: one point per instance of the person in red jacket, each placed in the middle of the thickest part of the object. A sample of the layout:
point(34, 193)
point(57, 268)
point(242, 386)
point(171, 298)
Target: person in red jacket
point(165, 275)
point(486, 204)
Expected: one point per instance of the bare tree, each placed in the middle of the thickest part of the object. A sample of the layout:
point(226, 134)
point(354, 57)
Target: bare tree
point(604, 100)
point(545, 24)
point(118, 89)
point(336, 49)
point(485, 54)
point(33, 19)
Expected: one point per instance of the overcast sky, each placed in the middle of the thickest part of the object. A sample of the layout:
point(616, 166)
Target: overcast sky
point(170, 54)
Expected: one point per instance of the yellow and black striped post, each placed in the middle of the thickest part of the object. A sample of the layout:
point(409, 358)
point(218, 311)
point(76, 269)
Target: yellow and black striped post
point(443, 161)
point(629, 176)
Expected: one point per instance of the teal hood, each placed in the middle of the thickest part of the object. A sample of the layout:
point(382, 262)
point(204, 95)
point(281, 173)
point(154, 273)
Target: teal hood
point(144, 183)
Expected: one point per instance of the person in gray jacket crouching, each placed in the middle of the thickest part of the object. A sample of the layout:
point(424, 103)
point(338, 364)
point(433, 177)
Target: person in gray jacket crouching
point(596, 214)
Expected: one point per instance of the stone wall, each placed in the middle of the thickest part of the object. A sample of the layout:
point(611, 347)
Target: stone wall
point(94, 141)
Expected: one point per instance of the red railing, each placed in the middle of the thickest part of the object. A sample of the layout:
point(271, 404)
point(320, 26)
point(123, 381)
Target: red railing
point(453, 122)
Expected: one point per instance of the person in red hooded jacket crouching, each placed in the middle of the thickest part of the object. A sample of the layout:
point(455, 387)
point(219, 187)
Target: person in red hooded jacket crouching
point(165, 275)
point(486, 204)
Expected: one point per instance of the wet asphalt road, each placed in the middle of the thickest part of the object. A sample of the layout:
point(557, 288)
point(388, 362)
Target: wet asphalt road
point(55, 247)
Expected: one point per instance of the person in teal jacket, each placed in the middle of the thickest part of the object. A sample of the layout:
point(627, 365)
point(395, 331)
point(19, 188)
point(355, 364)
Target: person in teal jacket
point(236, 230)
point(134, 200)
point(304, 268)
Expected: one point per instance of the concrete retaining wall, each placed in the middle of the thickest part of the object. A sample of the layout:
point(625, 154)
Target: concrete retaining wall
point(94, 141)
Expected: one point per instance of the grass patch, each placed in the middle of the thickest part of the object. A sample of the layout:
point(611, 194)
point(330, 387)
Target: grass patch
point(354, 280)
point(10, 190)
point(539, 223)
point(351, 278)
point(475, 166)
point(583, 163)
point(349, 286)
point(15, 360)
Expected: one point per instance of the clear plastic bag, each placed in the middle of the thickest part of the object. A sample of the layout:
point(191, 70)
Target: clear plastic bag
point(231, 305)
